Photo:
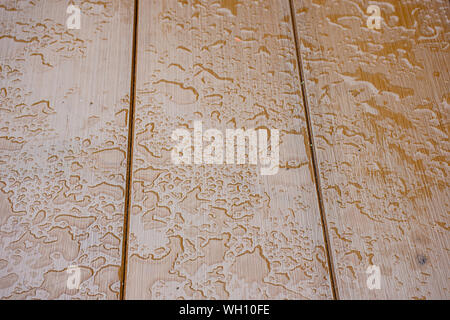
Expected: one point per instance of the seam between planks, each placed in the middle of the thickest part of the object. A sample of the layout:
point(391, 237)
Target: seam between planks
point(129, 154)
point(326, 237)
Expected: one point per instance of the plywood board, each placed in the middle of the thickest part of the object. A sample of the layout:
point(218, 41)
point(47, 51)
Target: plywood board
point(224, 230)
point(379, 103)
point(64, 102)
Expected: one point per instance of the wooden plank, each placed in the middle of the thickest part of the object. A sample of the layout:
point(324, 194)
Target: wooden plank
point(64, 100)
point(379, 103)
point(221, 231)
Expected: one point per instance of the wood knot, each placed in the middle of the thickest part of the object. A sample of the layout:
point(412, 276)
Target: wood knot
point(421, 259)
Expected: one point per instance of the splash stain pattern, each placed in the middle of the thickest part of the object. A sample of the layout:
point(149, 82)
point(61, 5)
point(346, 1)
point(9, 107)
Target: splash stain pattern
point(379, 104)
point(62, 147)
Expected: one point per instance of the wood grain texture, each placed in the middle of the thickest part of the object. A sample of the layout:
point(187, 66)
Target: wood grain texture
point(221, 231)
point(64, 101)
point(379, 103)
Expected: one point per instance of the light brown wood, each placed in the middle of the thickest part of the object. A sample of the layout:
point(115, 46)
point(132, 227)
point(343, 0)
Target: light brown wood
point(221, 231)
point(379, 103)
point(64, 102)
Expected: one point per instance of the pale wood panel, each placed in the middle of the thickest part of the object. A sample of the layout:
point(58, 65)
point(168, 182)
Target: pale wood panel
point(64, 101)
point(379, 103)
point(221, 231)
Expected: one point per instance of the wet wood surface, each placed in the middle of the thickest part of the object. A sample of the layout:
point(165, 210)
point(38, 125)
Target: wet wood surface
point(221, 231)
point(362, 116)
point(379, 104)
point(64, 102)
